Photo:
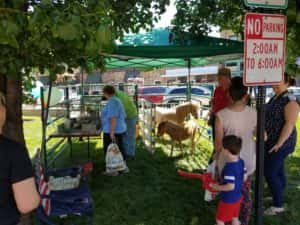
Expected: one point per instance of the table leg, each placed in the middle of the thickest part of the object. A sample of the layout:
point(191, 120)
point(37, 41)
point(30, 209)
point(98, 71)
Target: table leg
point(71, 147)
point(88, 147)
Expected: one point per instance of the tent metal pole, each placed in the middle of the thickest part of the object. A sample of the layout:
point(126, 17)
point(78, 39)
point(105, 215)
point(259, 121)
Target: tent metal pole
point(82, 93)
point(189, 80)
point(45, 113)
point(43, 146)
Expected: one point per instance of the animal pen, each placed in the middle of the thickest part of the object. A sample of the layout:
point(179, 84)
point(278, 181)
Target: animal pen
point(152, 114)
point(161, 49)
point(72, 118)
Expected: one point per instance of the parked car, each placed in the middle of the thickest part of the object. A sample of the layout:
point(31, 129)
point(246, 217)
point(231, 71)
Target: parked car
point(269, 94)
point(295, 91)
point(154, 94)
point(176, 100)
point(178, 93)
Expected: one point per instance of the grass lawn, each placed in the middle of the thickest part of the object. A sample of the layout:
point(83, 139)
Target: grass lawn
point(152, 193)
point(33, 133)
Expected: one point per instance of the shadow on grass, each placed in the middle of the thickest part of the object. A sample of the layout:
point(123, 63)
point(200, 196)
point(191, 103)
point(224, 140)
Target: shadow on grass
point(28, 120)
point(151, 194)
point(79, 153)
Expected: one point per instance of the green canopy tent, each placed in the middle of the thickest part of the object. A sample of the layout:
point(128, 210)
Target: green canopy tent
point(159, 48)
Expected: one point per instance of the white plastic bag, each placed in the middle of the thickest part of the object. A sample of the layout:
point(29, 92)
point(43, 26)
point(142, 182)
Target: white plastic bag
point(211, 168)
point(114, 159)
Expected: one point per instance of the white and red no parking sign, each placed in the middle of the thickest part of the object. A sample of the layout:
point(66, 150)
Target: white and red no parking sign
point(264, 56)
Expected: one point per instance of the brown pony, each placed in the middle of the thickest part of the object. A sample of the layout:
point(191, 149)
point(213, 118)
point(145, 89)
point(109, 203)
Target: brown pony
point(179, 132)
point(177, 114)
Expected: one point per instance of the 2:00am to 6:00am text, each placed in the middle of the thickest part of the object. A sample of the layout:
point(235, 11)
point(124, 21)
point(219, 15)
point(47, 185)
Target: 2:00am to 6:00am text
point(264, 63)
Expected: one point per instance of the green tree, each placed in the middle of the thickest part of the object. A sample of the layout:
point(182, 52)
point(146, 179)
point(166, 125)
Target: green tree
point(57, 35)
point(197, 17)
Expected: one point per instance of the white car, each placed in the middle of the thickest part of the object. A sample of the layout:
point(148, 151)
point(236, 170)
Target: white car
point(178, 93)
point(295, 91)
point(269, 94)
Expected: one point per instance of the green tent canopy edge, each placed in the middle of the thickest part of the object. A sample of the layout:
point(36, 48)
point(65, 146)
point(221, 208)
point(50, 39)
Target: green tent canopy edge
point(158, 48)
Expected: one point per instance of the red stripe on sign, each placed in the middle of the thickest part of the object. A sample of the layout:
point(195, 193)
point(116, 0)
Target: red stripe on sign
point(254, 25)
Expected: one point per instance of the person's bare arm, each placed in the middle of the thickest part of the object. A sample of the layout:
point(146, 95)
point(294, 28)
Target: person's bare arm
point(26, 195)
point(224, 187)
point(113, 123)
point(219, 133)
point(291, 112)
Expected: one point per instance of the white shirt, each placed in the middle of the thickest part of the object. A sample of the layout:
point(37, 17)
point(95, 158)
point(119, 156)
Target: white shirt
point(242, 124)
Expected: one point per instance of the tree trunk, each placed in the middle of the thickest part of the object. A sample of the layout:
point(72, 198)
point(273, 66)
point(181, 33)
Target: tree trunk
point(3, 84)
point(14, 124)
point(12, 89)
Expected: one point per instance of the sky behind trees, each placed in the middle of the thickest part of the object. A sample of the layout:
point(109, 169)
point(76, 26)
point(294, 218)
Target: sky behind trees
point(166, 18)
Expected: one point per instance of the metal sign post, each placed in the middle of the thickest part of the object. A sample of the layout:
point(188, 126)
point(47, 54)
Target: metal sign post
point(264, 59)
point(260, 151)
point(273, 4)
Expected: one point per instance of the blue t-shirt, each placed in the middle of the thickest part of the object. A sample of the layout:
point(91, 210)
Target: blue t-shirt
point(113, 108)
point(233, 172)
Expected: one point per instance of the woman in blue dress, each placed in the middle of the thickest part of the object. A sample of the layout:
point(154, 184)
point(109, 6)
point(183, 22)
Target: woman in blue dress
point(113, 120)
point(281, 116)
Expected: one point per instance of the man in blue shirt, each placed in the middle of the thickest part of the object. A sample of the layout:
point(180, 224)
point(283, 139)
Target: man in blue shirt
point(233, 176)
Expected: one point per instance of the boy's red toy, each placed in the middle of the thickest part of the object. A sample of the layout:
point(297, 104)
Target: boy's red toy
point(206, 179)
point(87, 168)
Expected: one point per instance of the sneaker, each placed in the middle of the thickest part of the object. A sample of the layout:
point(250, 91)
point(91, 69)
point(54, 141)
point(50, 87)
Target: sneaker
point(110, 174)
point(273, 211)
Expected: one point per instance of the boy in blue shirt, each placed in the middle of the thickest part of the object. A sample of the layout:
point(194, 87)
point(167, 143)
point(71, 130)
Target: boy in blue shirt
point(233, 176)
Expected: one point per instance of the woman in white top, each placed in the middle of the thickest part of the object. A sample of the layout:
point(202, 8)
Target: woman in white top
point(240, 120)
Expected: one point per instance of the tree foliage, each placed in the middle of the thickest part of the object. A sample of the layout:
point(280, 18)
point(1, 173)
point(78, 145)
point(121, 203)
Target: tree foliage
point(60, 34)
point(57, 35)
point(197, 17)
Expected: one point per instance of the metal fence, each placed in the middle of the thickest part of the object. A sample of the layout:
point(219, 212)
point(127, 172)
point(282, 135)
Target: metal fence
point(148, 124)
point(89, 96)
